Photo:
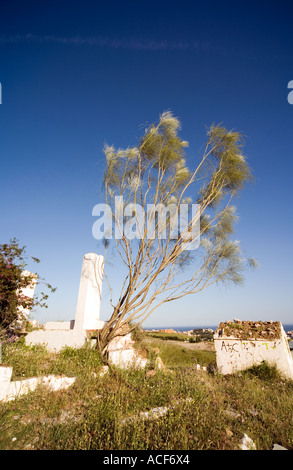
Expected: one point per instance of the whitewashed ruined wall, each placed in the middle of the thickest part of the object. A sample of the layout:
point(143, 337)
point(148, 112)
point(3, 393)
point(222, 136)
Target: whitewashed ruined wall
point(122, 353)
point(236, 353)
point(9, 390)
point(28, 293)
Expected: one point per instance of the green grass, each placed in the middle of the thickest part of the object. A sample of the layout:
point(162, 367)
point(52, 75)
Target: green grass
point(31, 361)
point(91, 414)
point(165, 336)
point(178, 356)
point(201, 336)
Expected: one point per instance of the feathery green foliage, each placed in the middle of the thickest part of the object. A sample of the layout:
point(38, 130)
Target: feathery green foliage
point(155, 172)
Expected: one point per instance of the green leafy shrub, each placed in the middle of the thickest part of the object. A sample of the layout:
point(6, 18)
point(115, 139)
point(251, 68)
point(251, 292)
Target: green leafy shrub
point(13, 261)
point(264, 371)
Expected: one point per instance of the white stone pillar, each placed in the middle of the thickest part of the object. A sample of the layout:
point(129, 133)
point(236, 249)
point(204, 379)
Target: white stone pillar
point(87, 315)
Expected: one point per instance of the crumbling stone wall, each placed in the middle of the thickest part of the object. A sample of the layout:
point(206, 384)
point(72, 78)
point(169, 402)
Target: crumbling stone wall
point(121, 351)
point(242, 344)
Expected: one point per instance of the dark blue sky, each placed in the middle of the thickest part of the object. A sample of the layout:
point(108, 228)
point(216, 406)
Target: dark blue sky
point(75, 75)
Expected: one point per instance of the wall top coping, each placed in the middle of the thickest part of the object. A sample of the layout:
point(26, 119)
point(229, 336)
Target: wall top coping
point(249, 330)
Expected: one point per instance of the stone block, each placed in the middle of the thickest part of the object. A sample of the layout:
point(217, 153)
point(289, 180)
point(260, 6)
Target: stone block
point(55, 340)
point(121, 352)
point(239, 347)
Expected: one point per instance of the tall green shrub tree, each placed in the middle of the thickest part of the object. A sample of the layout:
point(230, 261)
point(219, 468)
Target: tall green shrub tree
point(159, 269)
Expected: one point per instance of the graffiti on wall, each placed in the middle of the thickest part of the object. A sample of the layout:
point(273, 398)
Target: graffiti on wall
point(247, 348)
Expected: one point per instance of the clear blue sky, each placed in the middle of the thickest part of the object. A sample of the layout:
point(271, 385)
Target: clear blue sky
point(77, 74)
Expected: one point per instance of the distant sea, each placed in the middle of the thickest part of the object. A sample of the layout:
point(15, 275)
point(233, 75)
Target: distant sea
point(287, 327)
